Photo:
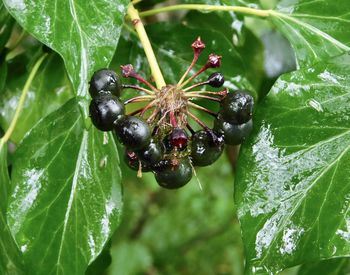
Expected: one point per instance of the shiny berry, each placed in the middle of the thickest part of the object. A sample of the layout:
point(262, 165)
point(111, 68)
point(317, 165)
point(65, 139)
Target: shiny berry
point(216, 80)
point(178, 138)
point(105, 80)
point(133, 132)
point(173, 174)
point(105, 109)
point(237, 107)
point(151, 154)
point(234, 134)
point(206, 147)
point(133, 161)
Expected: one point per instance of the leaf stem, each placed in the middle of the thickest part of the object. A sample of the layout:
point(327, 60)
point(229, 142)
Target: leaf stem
point(21, 101)
point(207, 8)
point(140, 29)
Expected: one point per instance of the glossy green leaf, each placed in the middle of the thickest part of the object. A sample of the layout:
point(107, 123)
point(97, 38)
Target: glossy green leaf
point(6, 24)
point(66, 200)
point(3, 76)
point(10, 259)
point(84, 33)
point(292, 188)
point(338, 266)
point(48, 91)
point(316, 29)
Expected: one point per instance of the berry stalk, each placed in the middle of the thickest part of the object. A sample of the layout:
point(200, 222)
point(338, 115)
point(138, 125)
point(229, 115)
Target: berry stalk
point(152, 60)
point(125, 86)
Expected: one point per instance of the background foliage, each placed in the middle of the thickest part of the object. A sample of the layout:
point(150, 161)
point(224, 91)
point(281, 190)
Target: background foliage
point(60, 179)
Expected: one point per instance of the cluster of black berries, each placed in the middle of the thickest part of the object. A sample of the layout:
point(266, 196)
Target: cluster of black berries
point(158, 136)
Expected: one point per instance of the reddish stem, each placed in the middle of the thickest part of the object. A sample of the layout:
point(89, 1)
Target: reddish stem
point(196, 119)
point(196, 85)
point(125, 86)
point(128, 71)
point(138, 99)
point(198, 107)
point(173, 119)
point(204, 96)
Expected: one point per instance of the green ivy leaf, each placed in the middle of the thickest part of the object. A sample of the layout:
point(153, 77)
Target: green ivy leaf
point(6, 23)
point(66, 201)
point(338, 266)
point(50, 89)
point(291, 183)
point(316, 29)
point(84, 33)
point(10, 261)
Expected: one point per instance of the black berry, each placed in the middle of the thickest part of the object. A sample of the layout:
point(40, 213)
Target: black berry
point(216, 80)
point(133, 132)
point(173, 174)
point(237, 107)
point(234, 134)
point(206, 147)
point(105, 109)
point(133, 161)
point(151, 154)
point(105, 80)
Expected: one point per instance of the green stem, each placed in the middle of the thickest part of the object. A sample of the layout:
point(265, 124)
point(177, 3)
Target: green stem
point(208, 8)
point(140, 29)
point(21, 101)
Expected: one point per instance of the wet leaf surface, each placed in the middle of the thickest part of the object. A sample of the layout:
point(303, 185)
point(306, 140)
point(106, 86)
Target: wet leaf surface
point(293, 200)
point(66, 200)
point(10, 258)
point(84, 33)
point(316, 29)
point(49, 90)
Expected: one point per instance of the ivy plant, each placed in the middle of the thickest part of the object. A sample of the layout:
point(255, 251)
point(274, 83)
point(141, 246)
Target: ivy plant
point(61, 204)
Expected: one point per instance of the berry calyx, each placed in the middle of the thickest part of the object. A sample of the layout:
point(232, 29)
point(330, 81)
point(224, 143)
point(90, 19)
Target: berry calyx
point(206, 147)
point(234, 134)
point(216, 80)
point(105, 80)
point(178, 139)
point(133, 162)
point(237, 107)
point(133, 132)
point(214, 61)
point(198, 46)
point(173, 174)
point(105, 109)
point(151, 154)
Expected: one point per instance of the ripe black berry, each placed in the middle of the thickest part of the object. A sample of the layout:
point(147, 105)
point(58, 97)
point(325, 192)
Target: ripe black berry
point(237, 107)
point(151, 154)
point(206, 147)
point(133, 162)
point(105, 109)
point(234, 134)
point(105, 80)
point(173, 174)
point(133, 132)
point(216, 80)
